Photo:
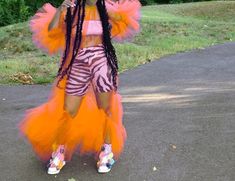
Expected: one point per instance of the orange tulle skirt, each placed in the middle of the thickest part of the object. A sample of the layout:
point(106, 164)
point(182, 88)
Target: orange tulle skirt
point(47, 125)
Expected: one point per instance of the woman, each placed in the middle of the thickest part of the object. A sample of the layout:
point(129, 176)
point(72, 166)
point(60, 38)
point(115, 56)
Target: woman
point(84, 112)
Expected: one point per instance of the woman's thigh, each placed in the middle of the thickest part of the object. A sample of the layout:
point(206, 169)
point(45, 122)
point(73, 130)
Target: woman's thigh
point(72, 104)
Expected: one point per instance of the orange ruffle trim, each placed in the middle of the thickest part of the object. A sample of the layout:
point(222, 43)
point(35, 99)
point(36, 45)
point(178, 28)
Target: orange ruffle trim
point(48, 124)
point(49, 41)
point(124, 18)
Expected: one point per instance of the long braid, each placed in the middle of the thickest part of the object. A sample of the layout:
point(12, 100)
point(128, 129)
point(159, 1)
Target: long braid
point(77, 41)
point(78, 38)
point(68, 40)
point(109, 49)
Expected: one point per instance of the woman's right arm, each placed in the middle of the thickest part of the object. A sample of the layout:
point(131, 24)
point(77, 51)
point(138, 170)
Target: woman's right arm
point(63, 7)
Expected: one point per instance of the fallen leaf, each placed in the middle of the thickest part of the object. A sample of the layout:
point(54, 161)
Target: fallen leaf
point(173, 146)
point(154, 168)
point(22, 78)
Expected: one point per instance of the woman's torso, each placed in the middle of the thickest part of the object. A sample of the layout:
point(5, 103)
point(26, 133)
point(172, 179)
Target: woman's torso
point(92, 28)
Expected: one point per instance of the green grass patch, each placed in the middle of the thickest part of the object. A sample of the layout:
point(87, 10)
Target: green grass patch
point(216, 11)
point(165, 30)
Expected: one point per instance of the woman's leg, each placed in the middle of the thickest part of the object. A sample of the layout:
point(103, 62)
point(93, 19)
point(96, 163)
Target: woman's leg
point(104, 102)
point(72, 104)
point(106, 160)
point(103, 86)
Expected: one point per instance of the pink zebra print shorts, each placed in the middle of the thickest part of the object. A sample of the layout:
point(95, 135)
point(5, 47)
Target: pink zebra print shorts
point(89, 66)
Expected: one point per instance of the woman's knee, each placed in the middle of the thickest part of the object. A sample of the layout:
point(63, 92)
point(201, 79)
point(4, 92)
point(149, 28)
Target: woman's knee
point(70, 110)
point(104, 102)
point(72, 104)
point(107, 110)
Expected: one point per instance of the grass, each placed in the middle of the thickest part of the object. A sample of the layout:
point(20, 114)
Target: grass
point(165, 29)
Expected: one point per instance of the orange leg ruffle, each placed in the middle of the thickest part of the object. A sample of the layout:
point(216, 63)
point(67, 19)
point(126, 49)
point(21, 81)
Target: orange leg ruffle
point(48, 124)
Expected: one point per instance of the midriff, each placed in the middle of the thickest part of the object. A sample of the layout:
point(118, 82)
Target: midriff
point(94, 36)
point(90, 40)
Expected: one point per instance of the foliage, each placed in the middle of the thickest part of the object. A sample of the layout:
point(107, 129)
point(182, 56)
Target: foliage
point(36, 4)
point(165, 30)
point(147, 2)
point(13, 11)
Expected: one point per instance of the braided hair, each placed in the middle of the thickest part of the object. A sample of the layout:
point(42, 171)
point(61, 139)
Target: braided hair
point(80, 11)
point(109, 49)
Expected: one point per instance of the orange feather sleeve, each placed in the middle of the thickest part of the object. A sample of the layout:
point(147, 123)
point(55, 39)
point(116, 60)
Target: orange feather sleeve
point(124, 18)
point(49, 41)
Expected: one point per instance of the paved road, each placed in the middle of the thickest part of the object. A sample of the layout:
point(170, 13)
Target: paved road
point(179, 115)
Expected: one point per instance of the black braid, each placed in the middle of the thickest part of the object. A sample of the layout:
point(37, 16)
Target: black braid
point(78, 38)
point(68, 40)
point(109, 49)
point(77, 41)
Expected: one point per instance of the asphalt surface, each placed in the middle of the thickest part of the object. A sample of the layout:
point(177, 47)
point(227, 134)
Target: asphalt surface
point(179, 116)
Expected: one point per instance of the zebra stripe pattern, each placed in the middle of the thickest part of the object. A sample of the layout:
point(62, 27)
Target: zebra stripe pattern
point(89, 66)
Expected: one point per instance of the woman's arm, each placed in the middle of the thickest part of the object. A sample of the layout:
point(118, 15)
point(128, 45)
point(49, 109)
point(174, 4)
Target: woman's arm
point(47, 17)
point(56, 19)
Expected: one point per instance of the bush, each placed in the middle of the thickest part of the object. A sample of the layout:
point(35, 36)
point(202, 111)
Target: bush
point(147, 2)
point(36, 4)
point(13, 11)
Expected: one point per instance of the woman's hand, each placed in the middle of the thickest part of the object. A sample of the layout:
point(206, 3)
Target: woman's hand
point(63, 7)
point(66, 4)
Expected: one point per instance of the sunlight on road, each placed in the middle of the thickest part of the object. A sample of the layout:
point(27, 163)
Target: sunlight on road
point(151, 97)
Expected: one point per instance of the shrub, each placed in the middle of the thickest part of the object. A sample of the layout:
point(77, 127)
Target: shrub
point(147, 2)
point(36, 4)
point(13, 11)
